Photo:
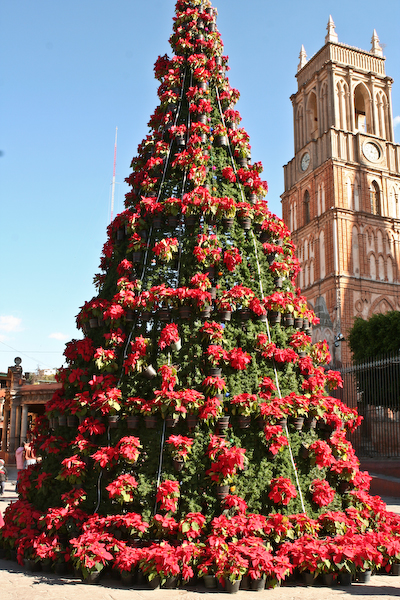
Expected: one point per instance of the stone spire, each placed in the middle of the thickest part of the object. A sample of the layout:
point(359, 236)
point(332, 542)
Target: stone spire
point(376, 47)
point(331, 36)
point(302, 57)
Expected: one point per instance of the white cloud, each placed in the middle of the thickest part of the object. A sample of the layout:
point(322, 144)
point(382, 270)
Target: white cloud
point(58, 336)
point(396, 121)
point(10, 323)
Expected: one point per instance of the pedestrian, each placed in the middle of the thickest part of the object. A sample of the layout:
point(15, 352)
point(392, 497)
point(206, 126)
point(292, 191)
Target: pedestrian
point(3, 476)
point(20, 461)
point(30, 458)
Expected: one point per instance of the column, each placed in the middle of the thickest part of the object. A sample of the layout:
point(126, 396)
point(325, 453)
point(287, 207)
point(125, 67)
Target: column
point(24, 423)
point(4, 441)
point(13, 422)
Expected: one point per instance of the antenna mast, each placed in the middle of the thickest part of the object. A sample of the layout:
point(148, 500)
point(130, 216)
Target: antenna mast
point(113, 179)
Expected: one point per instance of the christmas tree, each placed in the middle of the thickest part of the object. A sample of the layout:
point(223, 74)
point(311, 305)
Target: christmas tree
point(194, 434)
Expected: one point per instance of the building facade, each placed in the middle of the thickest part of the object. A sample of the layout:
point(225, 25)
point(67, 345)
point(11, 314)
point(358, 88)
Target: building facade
point(342, 188)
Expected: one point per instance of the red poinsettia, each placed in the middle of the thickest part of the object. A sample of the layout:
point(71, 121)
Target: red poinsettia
point(282, 490)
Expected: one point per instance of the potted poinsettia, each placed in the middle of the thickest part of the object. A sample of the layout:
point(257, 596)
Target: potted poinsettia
point(245, 405)
point(180, 447)
point(166, 248)
point(92, 553)
point(170, 337)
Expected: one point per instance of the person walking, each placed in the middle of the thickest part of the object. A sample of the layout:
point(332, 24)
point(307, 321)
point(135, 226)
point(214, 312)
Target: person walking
point(3, 476)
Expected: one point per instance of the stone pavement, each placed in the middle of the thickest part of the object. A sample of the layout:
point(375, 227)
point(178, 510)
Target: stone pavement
point(18, 584)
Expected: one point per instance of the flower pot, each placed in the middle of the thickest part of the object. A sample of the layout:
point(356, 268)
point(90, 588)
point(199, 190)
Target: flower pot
point(178, 464)
point(185, 312)
point(149, 372)
point(171, 583)
point(157, 221)
point(31, 565)
point(227, 223)
point(364, 576)
point(245, 314)
point(308, 578)
point(210, 582)
point(132, 421)
point(288, 320)
point(328, 579)
point(232, 587)
point(202, 118)
point(176, 346)
point(129, 315)
point(223, 423)
point(145, 316)
point(191, 421)
point(126, 578)
point(92, 578)
point(244, 422)
point(72, 421)
point(225, 315)
point(310, 423)
point(154, 584)
point(215, 371)
point(395, 569)
point(257, 584)
point(93, 322)
point(171, 422)
point(245, 223)
point(220, 141)
point(137, 256)
point(297, 423)
point(163, 314)
point(278, 282)
point(222, 491)
point(150, 421)
point(345, 578)
point(298, 322)
point(274, 317)
point(304, 451)
point(172, 221)
point(242, 161)
point(113, 421)
point(210, 271)
point(62, 421)
point(205, 313)
point(190, 221)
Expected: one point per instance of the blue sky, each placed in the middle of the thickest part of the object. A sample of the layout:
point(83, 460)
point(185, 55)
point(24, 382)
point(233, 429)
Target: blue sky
point(71, 72)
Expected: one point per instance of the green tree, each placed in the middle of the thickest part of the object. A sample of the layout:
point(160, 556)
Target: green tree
point(376, 336)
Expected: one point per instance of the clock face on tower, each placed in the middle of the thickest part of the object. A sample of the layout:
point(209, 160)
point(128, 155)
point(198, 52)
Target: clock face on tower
point(371, 151)
point(305, 161)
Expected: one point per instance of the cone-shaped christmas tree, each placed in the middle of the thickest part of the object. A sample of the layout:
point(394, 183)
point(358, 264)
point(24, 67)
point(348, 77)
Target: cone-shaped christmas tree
point(194, 411)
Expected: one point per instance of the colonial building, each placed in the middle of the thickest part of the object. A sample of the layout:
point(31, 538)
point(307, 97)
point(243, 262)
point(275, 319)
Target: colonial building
point(342, 188)
point(19, 406)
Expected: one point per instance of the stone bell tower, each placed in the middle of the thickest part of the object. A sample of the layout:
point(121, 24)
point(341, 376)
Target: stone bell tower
point(342, 188)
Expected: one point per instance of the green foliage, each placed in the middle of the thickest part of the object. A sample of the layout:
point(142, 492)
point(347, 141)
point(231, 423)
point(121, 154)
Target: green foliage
point(379, 335)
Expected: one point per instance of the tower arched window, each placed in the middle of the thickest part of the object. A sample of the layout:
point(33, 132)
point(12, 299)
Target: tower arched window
point(312, 114)
point(375, 197)
point(362, 111)
point(306, 207)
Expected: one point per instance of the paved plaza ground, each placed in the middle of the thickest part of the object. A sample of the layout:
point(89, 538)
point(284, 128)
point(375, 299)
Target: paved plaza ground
point(17, 584)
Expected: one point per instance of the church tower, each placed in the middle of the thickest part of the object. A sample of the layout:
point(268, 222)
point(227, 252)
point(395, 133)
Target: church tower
point(342, 187)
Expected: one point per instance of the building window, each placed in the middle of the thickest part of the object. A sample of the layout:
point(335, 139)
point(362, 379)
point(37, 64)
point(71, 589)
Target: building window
point(375, 196)
point(306, 204)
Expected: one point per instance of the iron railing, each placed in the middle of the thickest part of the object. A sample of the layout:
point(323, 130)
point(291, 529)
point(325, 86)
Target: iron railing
point(373, 387)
